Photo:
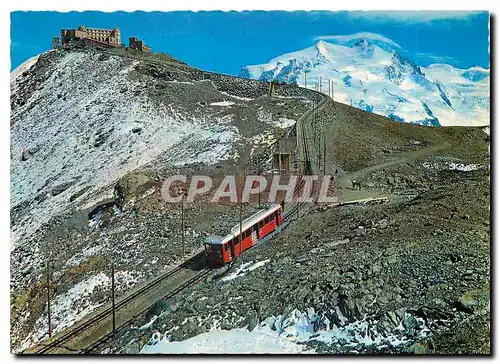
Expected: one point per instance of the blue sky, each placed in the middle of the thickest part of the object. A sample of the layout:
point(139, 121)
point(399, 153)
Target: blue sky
point(224, 41)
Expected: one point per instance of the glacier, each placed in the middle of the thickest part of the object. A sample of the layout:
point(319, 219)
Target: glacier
point(373, 73)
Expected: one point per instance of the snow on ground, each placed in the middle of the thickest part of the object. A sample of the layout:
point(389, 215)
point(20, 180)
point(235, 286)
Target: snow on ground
point(285, 123)
point(85, 254)
point(454, 166)
point(76, 303)
point(68, 308)
point(226, 342)
point(243, 269)
point(465, 167)
point(181, 82)
point(76, 128)
point(289, 333)
point(222, 103)
point(266, 117)
point(23, 67)
point(262, 140)
point(237, 97)
point(302, 327)
point(148, 325)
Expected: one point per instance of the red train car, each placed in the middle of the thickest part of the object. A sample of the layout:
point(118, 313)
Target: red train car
point(221, 251)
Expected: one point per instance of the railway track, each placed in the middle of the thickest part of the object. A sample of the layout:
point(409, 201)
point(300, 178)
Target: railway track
point(125, 325)
point(82, 337)
point(85, 326)
point(302, 143)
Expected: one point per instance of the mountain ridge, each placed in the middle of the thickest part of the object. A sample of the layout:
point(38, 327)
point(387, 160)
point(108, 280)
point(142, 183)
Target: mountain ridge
point(376, 75)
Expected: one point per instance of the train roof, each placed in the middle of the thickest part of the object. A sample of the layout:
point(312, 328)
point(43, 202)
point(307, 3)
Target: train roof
point(247, 223)
point(255, 218)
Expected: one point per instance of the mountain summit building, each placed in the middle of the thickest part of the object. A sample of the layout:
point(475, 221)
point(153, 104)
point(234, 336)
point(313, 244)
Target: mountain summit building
point(109, 37)
point(137, 44)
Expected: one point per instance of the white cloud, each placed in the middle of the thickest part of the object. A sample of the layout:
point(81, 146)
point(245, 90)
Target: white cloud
point(365, 35)
point(411, 16)
point(436, 58)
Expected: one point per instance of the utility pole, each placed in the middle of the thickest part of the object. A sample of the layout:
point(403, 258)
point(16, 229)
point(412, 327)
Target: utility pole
point(329, 88)
point(48, 299)
point(305, 79)
point(279, 153)
point(113, 297)
point(241, 224)
point(318, 136)
point(298, 193)
point(324, 154)
point(320, 84)
point(260, 171)
point(182, 227)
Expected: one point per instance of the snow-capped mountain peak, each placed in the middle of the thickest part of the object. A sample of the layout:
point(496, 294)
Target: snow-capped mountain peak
point(321, 46)
point(370, 38)
point(374, 73)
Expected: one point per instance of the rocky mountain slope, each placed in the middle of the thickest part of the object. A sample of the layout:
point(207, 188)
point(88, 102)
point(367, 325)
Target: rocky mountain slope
point(374, 74)
point(409, 275)
point(87, 120)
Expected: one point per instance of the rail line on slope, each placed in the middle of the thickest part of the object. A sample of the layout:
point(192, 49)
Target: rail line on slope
point(305, 150)
point(59, 342)
point(123, 326)
point(106, 314)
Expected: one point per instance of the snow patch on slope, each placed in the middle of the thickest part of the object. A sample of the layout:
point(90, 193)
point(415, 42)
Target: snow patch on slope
point(222, 103)
point(295, 332)
point(245, 267)
point(67, 308)
point(23, 67)
point(76, 303)
point(225, 342)
point(85, 113)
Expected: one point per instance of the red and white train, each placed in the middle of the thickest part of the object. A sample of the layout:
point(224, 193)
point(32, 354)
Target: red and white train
point(219, 252)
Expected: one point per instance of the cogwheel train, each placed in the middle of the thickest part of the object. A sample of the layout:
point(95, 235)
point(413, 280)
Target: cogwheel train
point(220, 251)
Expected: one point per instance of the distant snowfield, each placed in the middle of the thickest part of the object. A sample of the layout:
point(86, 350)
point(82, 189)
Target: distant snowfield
point(367, 71)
